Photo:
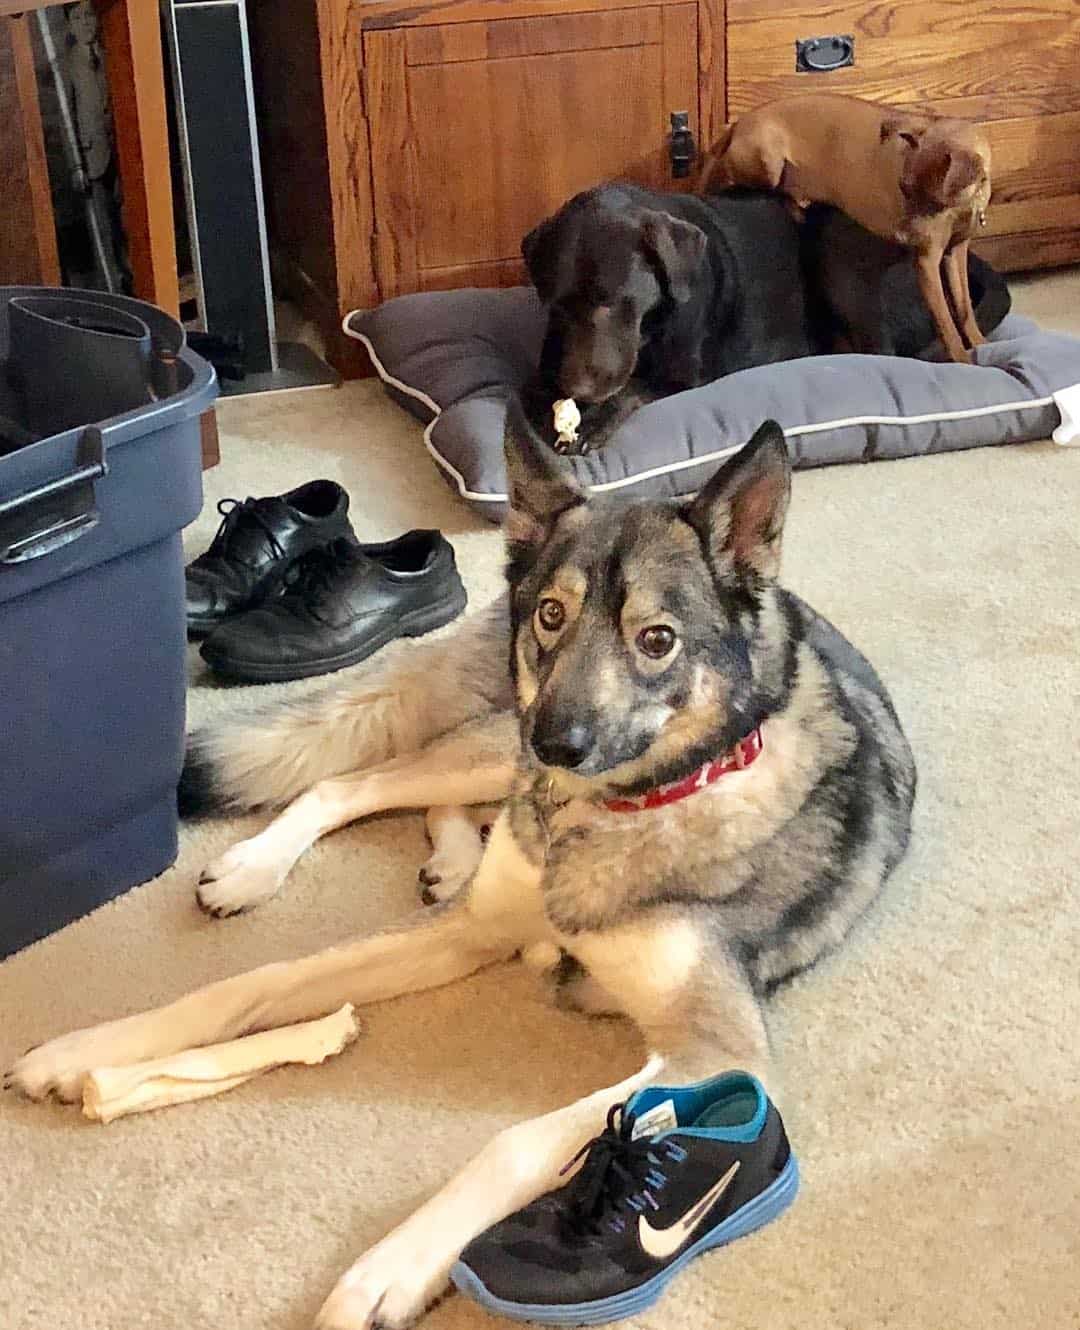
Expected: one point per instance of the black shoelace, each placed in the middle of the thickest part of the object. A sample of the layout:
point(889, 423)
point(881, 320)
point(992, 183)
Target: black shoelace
point(317, 571)
point(619, 1173)
point(234, 512)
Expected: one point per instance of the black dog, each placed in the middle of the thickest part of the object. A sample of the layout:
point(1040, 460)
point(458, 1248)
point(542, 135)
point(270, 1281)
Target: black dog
point(865, 294)
point(649, 294)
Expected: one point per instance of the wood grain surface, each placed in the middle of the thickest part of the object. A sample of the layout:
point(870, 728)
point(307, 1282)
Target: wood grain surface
point(480, 129)
point(983, 58)
point(27, 230)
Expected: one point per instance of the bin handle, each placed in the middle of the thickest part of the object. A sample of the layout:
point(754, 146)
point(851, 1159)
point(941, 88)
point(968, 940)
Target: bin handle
point(46, 518)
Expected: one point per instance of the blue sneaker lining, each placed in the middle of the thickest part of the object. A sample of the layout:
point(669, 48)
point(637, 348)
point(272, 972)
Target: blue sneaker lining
point(731, 1107)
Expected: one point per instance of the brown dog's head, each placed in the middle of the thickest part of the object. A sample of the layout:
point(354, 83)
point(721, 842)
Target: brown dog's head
point(607, 268)
point(946, 162)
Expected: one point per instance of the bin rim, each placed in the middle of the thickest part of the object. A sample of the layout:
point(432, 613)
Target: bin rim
point(148, 417)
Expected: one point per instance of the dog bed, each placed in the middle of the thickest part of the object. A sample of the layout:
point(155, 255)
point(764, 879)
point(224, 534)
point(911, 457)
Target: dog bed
point(450, 358)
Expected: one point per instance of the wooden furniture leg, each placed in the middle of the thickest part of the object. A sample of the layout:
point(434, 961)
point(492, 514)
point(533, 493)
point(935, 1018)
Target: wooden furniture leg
point(131, 33)
point(211, 448)
point(27, 231)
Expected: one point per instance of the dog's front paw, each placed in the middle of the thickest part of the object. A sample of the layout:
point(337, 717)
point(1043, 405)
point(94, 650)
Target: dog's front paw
point(446, 872)
point(60, 1066)
point(243, 877)
point(389, 1287)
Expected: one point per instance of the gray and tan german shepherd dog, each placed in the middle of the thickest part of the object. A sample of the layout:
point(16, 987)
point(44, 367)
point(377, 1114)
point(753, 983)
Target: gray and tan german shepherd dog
point(704, 787)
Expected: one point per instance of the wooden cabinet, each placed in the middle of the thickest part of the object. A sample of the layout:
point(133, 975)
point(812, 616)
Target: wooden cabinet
point(409, 148)
point(479, 129)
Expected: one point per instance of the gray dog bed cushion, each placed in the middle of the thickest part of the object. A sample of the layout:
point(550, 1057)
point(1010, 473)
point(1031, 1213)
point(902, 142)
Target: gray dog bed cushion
point(450, 357)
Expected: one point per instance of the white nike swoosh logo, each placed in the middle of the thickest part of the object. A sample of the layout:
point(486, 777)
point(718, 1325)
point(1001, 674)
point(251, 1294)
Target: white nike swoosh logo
point(664, 1242)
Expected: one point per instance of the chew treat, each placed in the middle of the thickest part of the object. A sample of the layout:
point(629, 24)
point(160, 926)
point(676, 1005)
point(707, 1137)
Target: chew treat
point(113, 1092)
point(567, 419)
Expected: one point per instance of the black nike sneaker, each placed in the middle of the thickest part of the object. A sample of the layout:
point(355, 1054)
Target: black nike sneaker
point(255, 545)
point(676, 1173)
point(339, 605)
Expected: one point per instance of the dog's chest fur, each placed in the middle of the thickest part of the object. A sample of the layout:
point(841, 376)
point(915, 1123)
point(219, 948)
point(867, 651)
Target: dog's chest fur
point(600, 867)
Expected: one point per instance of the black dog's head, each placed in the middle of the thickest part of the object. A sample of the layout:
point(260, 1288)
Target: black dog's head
point(644, 634)
point(607, 269)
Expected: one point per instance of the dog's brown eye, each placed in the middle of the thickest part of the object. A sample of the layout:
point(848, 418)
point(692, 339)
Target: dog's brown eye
point(550, 615)
point(656, 641)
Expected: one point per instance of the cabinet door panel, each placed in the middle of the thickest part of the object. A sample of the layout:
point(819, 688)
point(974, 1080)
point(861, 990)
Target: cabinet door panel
point(480, 129)
point(606, 29)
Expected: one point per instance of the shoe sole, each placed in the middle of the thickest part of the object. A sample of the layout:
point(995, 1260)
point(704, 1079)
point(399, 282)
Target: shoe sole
point(762, 1210)
point(414, 624)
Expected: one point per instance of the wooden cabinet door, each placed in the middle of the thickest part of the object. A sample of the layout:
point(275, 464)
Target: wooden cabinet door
point(480, 129)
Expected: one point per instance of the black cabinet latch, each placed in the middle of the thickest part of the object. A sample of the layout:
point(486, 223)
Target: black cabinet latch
point(681, 147)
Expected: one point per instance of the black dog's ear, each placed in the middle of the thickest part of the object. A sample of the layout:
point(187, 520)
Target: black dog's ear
point(538, 487)
point(740, 512)
point(541, 255)
point(678, 247)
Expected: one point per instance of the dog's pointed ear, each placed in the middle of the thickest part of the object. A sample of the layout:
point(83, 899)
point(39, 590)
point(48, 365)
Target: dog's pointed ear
point(740, 512)
point(951, 172)
point(678, 247)
point(902, 127)
point(538, 487)
point(541, 255)
point(937, 174)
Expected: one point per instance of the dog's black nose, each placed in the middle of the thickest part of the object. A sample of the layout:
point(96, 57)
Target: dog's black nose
point(565, 748)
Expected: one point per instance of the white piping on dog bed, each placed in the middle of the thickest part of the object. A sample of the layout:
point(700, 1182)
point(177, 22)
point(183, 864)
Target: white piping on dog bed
point(969, 413)
point(419, 396)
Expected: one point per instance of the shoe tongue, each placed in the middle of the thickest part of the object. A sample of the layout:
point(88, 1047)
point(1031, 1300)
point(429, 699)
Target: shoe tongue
point(661, 1117)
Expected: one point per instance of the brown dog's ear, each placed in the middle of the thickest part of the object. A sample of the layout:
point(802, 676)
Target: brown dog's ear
point(942, 173)
point(541, 256)
point(538, 487)
point(901, 126)
point(740, 512)
point(678, 247)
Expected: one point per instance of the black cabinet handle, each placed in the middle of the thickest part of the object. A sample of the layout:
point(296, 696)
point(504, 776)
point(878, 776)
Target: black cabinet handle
point(817, 55)
point(681, 147)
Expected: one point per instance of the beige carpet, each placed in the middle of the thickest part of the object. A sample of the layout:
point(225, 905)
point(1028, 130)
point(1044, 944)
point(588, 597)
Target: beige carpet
point(932, 1070)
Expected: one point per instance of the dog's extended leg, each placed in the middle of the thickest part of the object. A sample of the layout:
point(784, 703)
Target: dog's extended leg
point(499, 914)
point(393, 1282)
point(474, 764)
point(695, 1010)
point(928, 270)
point(437, 947)
point(956, 278)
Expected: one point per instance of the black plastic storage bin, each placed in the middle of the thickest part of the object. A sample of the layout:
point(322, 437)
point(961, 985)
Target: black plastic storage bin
point(99, 470)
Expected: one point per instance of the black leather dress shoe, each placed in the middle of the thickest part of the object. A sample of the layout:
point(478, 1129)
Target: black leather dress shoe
point(257, 542)
point(340, 605)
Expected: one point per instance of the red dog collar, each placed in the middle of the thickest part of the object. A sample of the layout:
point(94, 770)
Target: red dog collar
point(745, 751)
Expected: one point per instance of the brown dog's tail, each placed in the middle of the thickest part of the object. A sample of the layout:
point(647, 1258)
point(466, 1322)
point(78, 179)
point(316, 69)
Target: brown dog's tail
point(713, 175)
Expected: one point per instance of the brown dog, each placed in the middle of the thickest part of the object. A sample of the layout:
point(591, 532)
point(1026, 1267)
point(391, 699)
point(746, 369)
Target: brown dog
point(920, 180)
